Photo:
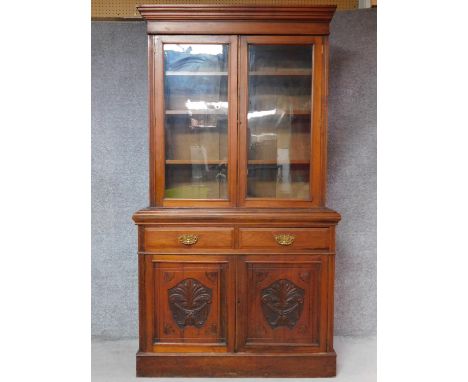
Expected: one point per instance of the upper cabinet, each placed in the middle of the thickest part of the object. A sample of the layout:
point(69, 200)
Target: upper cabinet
point(238, 118)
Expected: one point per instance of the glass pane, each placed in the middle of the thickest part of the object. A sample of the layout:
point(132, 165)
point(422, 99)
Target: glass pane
point(196, 88)
point(279, 121)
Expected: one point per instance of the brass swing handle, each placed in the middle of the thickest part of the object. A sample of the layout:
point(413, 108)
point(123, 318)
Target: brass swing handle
point(285, 239)
point(188, 239)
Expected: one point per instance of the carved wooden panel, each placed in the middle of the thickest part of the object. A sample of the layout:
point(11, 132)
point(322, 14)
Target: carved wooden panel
point(282, 302)
point(190, 302)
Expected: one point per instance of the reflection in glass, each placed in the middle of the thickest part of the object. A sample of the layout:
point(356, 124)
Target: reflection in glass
point(279, 121)
point(196, 86)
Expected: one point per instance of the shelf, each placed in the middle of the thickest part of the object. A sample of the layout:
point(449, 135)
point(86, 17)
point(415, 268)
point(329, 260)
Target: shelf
point(190, 162)
point(298, 113)
point(186, 73)
point(282, 72)
point(196, 112)
point(275, 162)
point(252, 162)
point(273, 128)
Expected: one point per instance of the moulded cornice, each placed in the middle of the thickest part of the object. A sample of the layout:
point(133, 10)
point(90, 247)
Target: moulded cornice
point(180, 12)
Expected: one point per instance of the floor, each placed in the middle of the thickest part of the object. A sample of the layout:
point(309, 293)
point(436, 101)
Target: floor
point(114, 361)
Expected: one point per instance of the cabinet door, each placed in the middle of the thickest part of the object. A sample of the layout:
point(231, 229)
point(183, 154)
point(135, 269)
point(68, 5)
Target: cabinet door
point(282, 130)
point(195, 120)
point(191, 302)
point(282, 303)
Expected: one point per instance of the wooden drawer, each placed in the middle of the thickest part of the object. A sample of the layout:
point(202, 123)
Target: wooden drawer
point(156, 238)
point(285, 238)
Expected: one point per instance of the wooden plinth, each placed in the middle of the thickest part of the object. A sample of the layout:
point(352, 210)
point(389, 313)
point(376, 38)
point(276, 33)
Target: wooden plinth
point(236, 365)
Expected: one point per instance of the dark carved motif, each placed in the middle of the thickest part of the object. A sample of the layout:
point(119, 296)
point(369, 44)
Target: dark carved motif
point(304, 276)
point(190, 303)
point(212, 276)
point(260, 276)
point(168, 276)
point(282, 303)
point(168, 329)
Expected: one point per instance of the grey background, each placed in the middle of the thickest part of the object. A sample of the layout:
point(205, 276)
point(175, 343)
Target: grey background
point(120, 170)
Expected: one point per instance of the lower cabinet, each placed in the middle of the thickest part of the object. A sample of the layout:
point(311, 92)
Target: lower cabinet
point(233, 303)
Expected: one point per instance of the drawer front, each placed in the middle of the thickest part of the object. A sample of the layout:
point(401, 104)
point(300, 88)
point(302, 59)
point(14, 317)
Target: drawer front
point(285, 238)
point(156, 238)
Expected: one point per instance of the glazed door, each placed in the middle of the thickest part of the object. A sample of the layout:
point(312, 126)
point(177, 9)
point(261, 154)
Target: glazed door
point(280, 121)
point(282, 303)
point(195, 118)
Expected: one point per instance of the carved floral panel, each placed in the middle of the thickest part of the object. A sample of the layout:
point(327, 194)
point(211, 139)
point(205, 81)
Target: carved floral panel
point(190, 303)
point(282, 303)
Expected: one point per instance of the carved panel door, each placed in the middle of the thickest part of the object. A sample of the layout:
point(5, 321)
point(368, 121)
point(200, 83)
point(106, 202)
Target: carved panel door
point(282, 303)
point(191, 304)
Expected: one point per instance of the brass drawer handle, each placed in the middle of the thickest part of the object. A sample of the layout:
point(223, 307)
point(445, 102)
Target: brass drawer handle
point(285, 239)
point(187, 239)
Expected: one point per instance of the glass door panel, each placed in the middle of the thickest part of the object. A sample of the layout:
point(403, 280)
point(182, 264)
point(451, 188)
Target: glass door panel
point(196, 120)
point(279, 121)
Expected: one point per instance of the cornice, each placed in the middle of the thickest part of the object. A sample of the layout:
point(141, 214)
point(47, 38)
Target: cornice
point(199, 12)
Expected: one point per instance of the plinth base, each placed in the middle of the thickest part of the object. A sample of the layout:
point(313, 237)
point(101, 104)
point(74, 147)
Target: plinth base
point(236, 365)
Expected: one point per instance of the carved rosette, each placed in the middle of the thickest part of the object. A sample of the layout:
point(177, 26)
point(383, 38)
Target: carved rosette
point(190, 302)
point(282, 303)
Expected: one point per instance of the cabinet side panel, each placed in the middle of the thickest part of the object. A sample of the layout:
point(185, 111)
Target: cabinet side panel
point(317, 136)
point(324, 117)
point(151, 120)
point(330, 299)
point(157, 84)
point(141, 303)
point(145, 299)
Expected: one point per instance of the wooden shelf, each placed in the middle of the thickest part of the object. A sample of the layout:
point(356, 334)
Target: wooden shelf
point(274, 161)
point(298, 113)
point(186, 73)
point(190, 162)
point(282, 72)
point(273, 128)
point(196, 112)
point(252, 162)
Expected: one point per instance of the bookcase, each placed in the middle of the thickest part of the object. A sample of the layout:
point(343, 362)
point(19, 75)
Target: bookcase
point(237, 249)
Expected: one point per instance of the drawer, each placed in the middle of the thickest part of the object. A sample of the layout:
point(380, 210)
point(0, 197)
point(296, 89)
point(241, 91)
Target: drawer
point(156, 238)
point(285, 238)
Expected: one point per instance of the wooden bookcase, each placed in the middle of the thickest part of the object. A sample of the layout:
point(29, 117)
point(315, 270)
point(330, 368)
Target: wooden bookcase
point(237, 249)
